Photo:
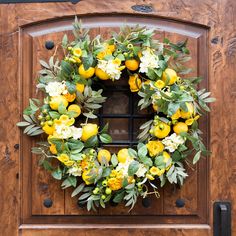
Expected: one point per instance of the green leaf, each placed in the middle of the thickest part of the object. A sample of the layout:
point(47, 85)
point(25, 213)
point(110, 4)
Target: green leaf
point(87, 61)
point(91, 142)
point(57, 174)
point(75, 145)
point(172, 108)
point(159, 161)
point(62, 109)
point(66, 68)
point(64, 42)
point(54, 115)
point(70, 87)
point(133, 168)
point(132, 153)
point(196, 157)
point(105, 138)
point(114, 160)
point(22, 124)
point(104, 129)
point(78, 190)
point(72, 180)
point(142, 151)
point(119, 197)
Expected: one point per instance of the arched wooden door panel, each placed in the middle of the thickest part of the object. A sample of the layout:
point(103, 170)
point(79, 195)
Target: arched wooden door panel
point(25, 27)
point(38, 186)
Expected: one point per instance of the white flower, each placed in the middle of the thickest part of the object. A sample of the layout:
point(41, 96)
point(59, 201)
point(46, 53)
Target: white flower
point(75, 171)
point(124, 166)
point(76, 132)
point(141, 171)
point(56, 88)
point(64, 132)
point(110, 67)
point(148, 60)
point(172, 142)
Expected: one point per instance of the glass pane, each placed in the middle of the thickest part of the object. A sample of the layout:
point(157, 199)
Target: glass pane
point(116, 103)
point(118, 128)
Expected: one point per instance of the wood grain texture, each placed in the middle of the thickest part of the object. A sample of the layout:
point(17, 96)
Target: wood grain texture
point(218, 15)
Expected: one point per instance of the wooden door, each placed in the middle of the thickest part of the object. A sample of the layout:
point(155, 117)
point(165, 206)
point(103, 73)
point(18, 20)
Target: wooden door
point(26, 188)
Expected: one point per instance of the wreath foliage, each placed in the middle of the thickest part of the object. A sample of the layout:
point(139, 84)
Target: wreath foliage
point(155, 70)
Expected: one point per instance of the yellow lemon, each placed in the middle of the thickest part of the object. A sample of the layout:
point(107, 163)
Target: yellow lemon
point(86, 73)
point(55, 102)
point(132, 64)
point(134, 83)
point(169, 74)
point(180, 127)
point(161, 130)
point(166, 156)
point(101, 74)
point(123, 155)
point(187, 114)
point(80, 87)
point(86, 177)
point(53, 149)
point(154, 147)
point(48, 129)
point(75, 108)
point(70, 97)
point(104, 154)
point(88, 131)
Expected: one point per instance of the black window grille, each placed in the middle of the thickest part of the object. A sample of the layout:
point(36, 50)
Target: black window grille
point(132, 116)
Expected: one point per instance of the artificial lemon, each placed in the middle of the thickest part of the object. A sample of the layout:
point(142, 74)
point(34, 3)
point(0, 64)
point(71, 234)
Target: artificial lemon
point(132, 64)
point(187, 114)
point(75, 108)
point(103, 155)
point(134, 83)
point(86, 73)
point(56, 101)
point(88, 131)
point(161, 130)
point(101, 74)
point(180, 127)
point(169, 74)
point(123, 155)
point(86, 177)
point(80, 87)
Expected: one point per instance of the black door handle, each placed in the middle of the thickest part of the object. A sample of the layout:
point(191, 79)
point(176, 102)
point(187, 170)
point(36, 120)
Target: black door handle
point(222, 219)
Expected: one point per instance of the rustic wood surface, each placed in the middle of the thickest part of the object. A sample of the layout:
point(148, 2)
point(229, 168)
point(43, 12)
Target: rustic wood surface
point(218, 16)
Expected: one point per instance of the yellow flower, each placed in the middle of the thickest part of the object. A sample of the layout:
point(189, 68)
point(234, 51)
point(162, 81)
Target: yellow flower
point(77, 52)
point(115, 183)
point(154, 147)
point(48, 129)
point(86, 177)
point(177, 115)
point(69, 163)
point(70, 97)
point(150, 177)
point(53, 149)
point(156, 171)
point(159, 84)
point(66, 120)
point(134, 83)
point(63, 158)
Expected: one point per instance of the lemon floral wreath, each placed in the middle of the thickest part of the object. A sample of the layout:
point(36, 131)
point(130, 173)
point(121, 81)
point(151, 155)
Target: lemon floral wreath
point(167, 143)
